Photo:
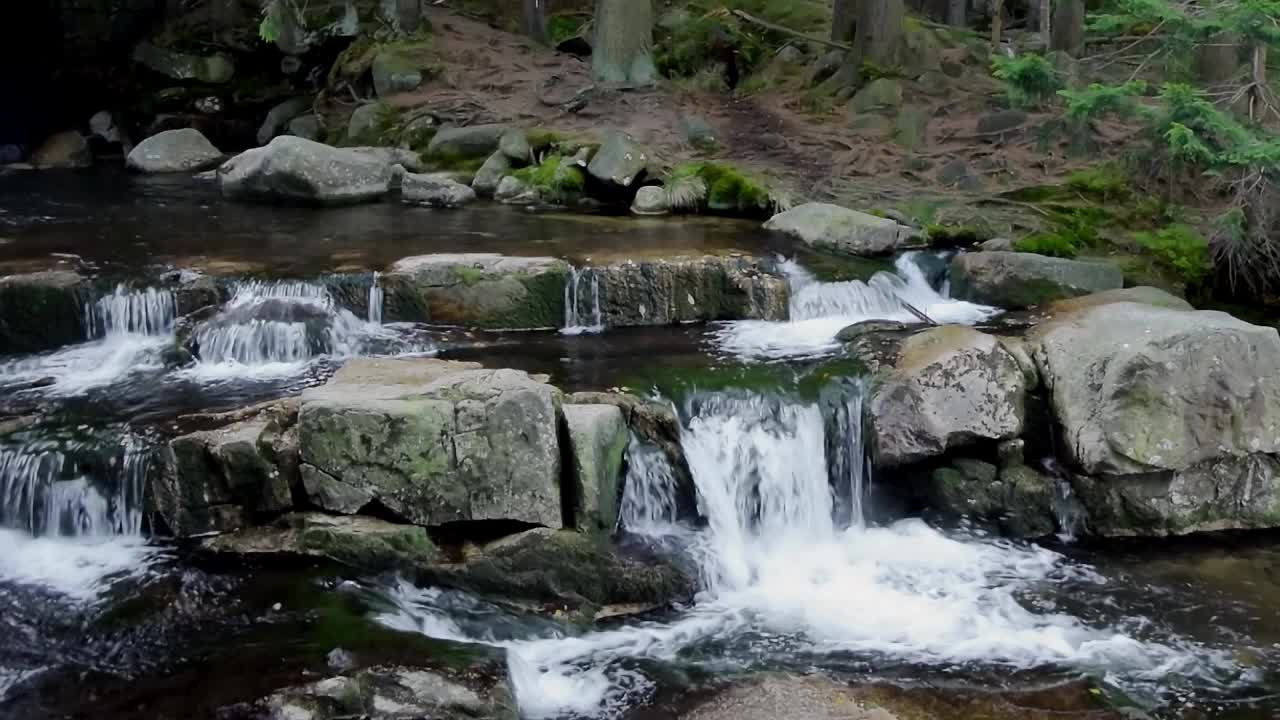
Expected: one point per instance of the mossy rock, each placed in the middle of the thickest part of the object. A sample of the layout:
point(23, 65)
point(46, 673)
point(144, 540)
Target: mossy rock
point(881, 95)
point(364, 543)
point(42, 310)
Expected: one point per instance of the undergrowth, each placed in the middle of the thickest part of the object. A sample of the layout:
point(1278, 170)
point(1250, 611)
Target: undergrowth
point(723, 188)
point(1030, 80)
point(1180, 249)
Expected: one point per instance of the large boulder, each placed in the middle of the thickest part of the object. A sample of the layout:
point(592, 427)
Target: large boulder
point(491, 174)
point(674, 290)
point(42, 310)
point(473, 141)
point(291, 169)
point(64, 150)
point(435, 190)
point(477, 289)
point(620, 162)
point(597, 441)
point(1020, 280)
point(832, 227)
point(436, 442)
point(1139, 389)
point(950, 386)
point(211, 69)
point(185, 150)
point(362, 126)
point(365, 543)
point(651, 200)
point(1014, 497)
point(280, 115)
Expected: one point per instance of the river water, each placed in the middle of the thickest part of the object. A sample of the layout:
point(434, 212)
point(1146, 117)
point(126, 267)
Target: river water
point(796, 572)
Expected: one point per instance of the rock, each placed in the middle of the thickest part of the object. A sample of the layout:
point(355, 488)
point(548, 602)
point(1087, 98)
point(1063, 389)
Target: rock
point(777, 695)
point(491, 174)
point(394, 73)
point(365, 543)
point(363, 124)
point(620, 162)
point(1141, 389)
point(455, 691)
point(103, 125)
point(392, 156)
point(996, 245)
point(435, 190)
point(651, 200)
point(826, 66)
point(1001, 123)
point(667, 291)
point(279, 116)
point(296, 170)
point(478, 290)
point(698, 132)
point(865, 327)
point(836, 228)
point(331, 494)
point(466, 444)
point(306, 127)
point(41, 310)
point(957, 174)
point(880, 95)
point(790, 54)
point(62, 151)
point(1017, 280)
point(911, 128)
point(1019, 500)
point(1141, 294)
point(214, 480)
point(871, 127)
point(597, 439)
point(951, 386)
point(183, 150)
point(514, 145)
point(474, 141)
point(565, 570)
point(213, 69)
point(514, 191)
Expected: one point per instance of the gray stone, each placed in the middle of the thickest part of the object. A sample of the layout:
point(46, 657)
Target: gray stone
point(473, 688)
point(515, 146)
point(393, 73)
point(951, 386)
point(1020, 280)
point(212, 69)
point(1019, 500)
point(514, 191)
point(698, 132)
point(1139, 389)
point(62, 151)
point(651, 200)
point(435, 190)
point(620, 162)
point(832, 227)
point(363, 124)
point(996, 245)
point(478, 290)
point(392, 156)
point(470, 444)
point(880, 95)
point(474, 141)
point(298, 170)
point(279, 117)
point(1140, 294)
point(597, 440)
point(305, 126)
point(825, 66)
point(329, 493)
point(491, 174)
point(184, 150)
point(365, 543)
point(858, 329)
point(911, 128)
point(42, 310)
point(1001, 123)
point(674, 290)
point(957, 174)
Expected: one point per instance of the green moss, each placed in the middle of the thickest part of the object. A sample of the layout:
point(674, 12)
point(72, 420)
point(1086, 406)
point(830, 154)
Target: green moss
point(729, 189)
point(805, 381)
point(468, 275)
point(1051, 244)
point(543, 138)
point(543, 305)
point(841, 267)
point(449, 160)
point(1107, 182)
point(563, 27)
point(354, 61)
point(1180, 249)
point(555, 178)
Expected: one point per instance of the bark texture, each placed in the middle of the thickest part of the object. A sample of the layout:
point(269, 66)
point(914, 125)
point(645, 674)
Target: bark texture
point(623, 49)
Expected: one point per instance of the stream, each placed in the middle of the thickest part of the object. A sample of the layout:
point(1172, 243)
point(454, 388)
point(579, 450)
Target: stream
point(797, 570)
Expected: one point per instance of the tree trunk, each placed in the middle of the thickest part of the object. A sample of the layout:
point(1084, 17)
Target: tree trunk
point(1258, 76)
point(1042, 20)
point(958, 12)
point(622, 51)
point(843, 17)
point(535, 20)
point(409, 15)
point(997, 22)
point(1068, 27)
point(1218, 61)
point(879, 36)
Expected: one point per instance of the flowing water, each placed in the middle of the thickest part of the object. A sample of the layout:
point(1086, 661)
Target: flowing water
point(795, 570)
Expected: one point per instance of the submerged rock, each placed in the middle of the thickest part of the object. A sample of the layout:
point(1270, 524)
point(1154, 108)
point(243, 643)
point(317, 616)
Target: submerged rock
point(366, 543)
point(41, 310)
point(435, 190)
point(185, 150)
point(478, 289)
point(1016, 280)
point(832, 227)
point(292, 169)
point(597, 437)
point(437, 442)
point(390, 693)
point(62, 151)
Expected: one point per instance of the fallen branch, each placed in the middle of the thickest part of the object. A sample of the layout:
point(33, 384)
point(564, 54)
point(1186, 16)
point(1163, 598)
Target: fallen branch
point(914, 311)
point(747, 17)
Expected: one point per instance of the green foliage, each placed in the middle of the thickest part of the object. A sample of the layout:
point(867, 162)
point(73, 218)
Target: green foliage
point(1098, 100)
point(700, 37)
point(555, 178)
point(1107, 182)
point(1030, 80)
point(1051, 244)
point(1075, 231)
point(563, 27)
point(723, 188)
point(1180, 249)
point(954, 236)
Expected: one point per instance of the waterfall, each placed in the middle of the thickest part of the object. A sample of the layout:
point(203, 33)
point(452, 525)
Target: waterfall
point(649, 497)
point(1068, 513)
point(582, 312)
point(140, 312)
point(375, 299)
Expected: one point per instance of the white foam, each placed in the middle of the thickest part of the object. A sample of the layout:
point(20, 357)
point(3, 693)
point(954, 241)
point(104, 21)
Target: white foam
point(76, 369)
point(80, 569)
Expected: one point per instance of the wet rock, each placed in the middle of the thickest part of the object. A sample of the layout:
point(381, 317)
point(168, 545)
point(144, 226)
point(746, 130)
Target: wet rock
point(514, 191)
point(857, 330)
point(393, 693)
point(563, 570)
point(1014, 497)
point(491, 174)
point(620, 162)
point(183, 150)
point(688, 289)
point(833, 227)
point(597, 440)
point(279, 116)
point(365, 543)
point(772, 696)
point(514, 145)
point(102, 125)
point(467, 444)
point(435, 190)
point(473, 141)
point(64, 150)
point(651, 200)
point(1016, 280)
point(306, 127)
point(477, 289)
point(1140, 389)
point(41, 310)
point(212, 69)
point(951, 386)
point(292, 169)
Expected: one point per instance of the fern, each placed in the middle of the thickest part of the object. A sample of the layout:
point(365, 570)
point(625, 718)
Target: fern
point(1030, 80)
point(686, 193)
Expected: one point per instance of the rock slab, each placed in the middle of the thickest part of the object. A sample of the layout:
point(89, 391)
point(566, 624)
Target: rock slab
point(1015, 280)
point(171, 151)
point(832, 227)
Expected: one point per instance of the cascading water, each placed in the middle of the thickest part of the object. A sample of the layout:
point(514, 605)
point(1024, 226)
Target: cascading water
point(144, 312)
point(783, 575)
point(649, 501)
point(376, 299)
point(582, 312)
point(819, 310)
